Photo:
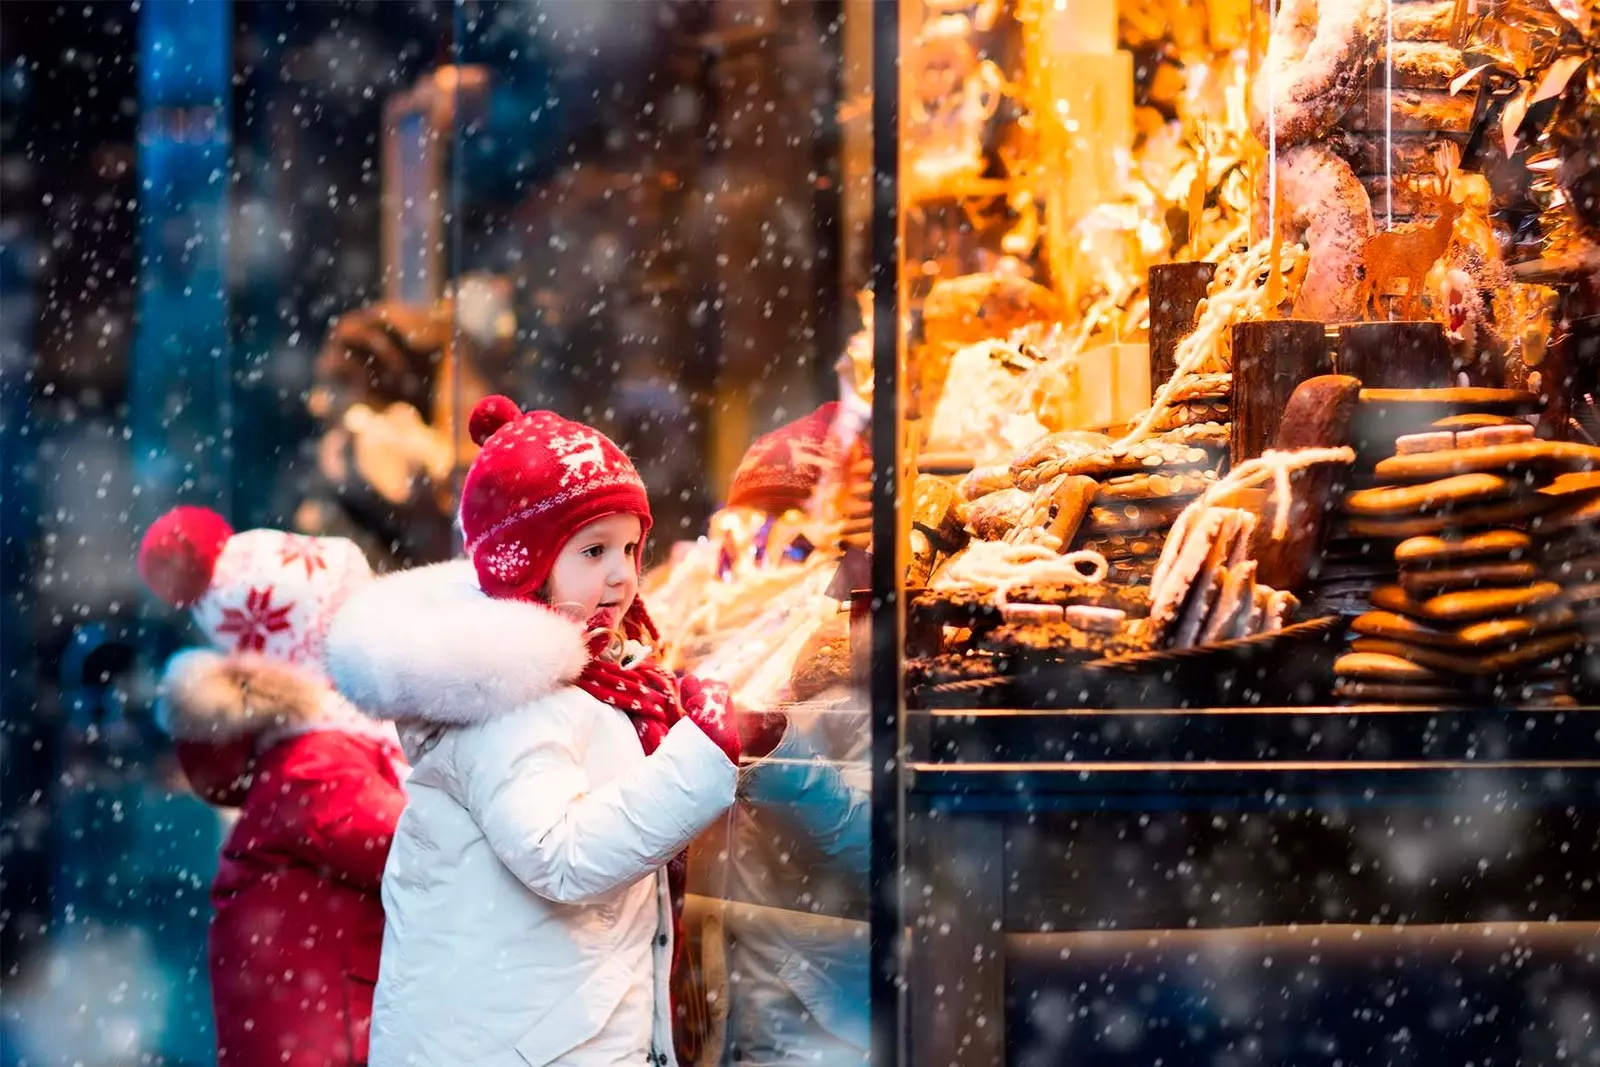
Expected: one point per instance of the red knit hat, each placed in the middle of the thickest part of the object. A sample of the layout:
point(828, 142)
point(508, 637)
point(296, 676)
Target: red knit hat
point(780, 470)
point(539, 479)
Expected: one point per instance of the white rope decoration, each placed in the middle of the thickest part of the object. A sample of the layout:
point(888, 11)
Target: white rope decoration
point(1273, 466)
point(1002, 567)
point(1234, 296)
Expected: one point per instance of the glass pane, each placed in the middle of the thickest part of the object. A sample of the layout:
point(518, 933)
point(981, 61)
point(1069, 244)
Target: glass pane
point(267, 259)
point(1245, 360)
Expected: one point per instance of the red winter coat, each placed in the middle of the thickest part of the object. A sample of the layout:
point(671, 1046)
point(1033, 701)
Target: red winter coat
point(298, 920)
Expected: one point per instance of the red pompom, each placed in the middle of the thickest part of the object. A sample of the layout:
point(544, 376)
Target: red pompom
point(179, 553)
point(491, 413)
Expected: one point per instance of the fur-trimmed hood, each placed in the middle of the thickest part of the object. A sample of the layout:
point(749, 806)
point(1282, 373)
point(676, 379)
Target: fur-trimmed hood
point(428, 645)
point(209, 697)
point(222, 711)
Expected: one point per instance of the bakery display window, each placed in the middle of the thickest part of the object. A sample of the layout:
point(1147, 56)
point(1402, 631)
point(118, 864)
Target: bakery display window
point(1258, 337)
point(1233, 663)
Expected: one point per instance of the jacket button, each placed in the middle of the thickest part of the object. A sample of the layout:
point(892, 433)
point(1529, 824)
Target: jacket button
point(661, 939)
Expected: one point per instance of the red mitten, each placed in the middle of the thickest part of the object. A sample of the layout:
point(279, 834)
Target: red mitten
point(760, 731)
point(711, 709)
point(755, 733)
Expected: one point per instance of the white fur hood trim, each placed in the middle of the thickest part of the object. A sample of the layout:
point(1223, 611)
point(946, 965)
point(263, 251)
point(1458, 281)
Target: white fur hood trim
point(428, 645)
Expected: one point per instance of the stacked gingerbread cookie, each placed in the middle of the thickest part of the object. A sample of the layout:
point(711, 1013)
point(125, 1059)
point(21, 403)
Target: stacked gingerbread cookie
point(1475, 612)
point(1569, 547)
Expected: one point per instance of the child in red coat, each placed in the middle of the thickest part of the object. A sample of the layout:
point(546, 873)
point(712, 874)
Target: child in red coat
point(298, 920)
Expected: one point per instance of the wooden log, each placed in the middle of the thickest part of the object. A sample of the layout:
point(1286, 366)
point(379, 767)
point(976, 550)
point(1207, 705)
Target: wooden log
point(1396, 355)
point(1176, 289)
point(1270, 359)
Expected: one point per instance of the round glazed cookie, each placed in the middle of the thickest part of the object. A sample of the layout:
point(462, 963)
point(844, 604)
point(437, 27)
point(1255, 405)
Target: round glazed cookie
point(1477, 636)
point(1475, 575)
point(1428, 550)
point(1469, 605)
point(1474, 420)
point(1516, 510)
point(1581, 484)
point(1459, 491)
point(1383, 667)
point(1493, 459)
point(1527, 653)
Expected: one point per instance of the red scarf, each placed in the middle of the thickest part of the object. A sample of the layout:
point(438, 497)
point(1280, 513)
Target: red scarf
point(643, 691)
point(649, 697)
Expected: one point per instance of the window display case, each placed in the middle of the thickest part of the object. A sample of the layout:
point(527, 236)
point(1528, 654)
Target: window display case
point(1233, 666)
point(1146, 452)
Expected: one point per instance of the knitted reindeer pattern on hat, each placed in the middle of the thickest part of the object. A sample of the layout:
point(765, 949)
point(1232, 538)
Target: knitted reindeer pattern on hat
point(539, 479)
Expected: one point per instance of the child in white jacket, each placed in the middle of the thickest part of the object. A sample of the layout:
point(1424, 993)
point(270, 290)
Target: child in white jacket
point(557, 771)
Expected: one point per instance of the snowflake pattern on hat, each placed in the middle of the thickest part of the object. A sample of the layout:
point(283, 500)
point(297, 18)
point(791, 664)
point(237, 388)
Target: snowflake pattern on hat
point(275, 594)
point(254, 624)
point(507, 560)
point(305, 550)
point(780, 470)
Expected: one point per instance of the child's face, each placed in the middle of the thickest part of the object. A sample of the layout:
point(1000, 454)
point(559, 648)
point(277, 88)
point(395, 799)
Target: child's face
point(597, 572)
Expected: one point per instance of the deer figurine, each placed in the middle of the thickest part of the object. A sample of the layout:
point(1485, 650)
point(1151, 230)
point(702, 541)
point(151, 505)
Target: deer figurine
point(1408, 252)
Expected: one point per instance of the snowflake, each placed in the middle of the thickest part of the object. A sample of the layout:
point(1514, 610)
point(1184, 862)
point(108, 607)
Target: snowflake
point(303, 550)
point(255, 623)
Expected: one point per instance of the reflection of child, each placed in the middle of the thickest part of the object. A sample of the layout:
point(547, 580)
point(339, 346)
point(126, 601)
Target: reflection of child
point(795, 864)
point(533, 889)
point(298, 926)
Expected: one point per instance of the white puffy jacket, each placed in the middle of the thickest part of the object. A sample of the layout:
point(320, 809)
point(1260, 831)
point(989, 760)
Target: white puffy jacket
point(528, 921)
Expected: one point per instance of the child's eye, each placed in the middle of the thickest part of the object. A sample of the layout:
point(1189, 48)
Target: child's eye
point(632, 550)
point(594, 551)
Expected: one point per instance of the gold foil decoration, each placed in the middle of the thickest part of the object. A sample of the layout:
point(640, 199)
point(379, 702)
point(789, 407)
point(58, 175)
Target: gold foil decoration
point(1517, 37)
